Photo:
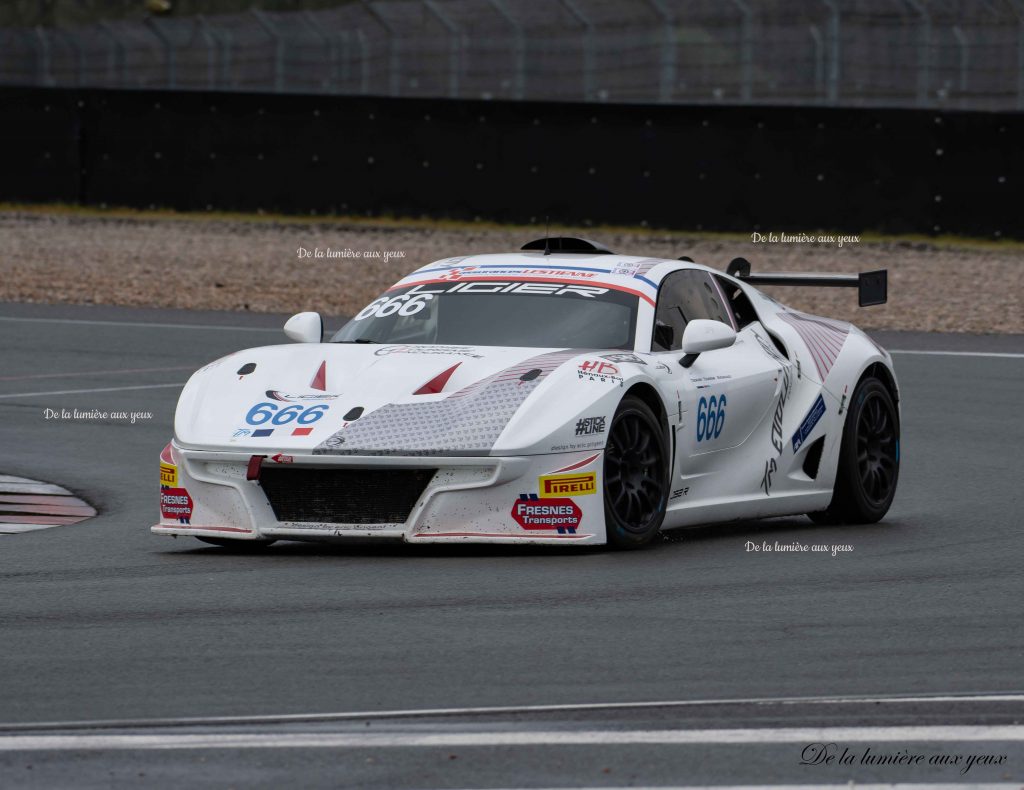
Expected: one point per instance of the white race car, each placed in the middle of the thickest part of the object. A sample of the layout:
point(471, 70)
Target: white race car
point(559, 395)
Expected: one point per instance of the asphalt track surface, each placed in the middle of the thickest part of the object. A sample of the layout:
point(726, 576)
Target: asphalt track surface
point(103, 622)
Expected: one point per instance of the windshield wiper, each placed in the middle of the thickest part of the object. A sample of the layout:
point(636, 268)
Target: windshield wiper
point(358, 340)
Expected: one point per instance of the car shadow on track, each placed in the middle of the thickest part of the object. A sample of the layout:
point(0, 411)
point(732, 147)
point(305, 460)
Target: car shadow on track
point(755, 527)
point(669, 540)
point(785, 530)
point(285, 548)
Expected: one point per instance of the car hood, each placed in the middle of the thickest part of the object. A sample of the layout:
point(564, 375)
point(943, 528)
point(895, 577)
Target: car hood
point(355, 399)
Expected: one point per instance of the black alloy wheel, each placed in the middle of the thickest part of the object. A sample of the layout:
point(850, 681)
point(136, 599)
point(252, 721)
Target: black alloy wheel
point(869, 458)
point(635, 475)
point(877, 453)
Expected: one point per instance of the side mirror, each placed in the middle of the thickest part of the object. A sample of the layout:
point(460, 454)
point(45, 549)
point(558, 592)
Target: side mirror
point(305, 328)
point(703, 335)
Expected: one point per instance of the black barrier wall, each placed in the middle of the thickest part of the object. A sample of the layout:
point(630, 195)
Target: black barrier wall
point(699, 168)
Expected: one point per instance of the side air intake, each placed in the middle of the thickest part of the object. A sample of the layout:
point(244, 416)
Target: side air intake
point(812, 460)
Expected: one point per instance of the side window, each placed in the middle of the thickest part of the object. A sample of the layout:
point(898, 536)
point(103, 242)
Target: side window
point(742, 309)
point(684, 296)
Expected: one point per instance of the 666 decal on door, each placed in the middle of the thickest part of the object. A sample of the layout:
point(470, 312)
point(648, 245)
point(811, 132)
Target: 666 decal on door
point(710, 417)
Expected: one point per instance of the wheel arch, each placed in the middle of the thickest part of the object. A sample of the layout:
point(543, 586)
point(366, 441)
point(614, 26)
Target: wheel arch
point(620, 531)
point(649, 395)
point(848, 505)
point(882, 372)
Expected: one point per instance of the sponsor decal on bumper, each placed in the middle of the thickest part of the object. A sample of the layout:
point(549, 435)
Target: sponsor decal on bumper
point(168, 475)
point(561, 515)
point(176, 505)
point(578, 484)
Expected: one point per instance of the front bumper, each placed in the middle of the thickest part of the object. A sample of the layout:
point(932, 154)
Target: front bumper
point(546, 499)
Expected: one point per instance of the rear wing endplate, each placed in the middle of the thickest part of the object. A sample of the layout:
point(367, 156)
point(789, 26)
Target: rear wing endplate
point(872, 287)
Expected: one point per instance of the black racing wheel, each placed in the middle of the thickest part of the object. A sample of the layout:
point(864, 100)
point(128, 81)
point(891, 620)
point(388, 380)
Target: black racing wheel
point(869, 458)
point(636, 475)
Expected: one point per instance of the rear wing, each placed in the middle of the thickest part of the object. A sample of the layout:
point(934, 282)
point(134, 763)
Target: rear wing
point(872, 287)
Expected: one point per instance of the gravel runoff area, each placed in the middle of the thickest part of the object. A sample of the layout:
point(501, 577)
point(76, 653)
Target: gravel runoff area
point(54, 255)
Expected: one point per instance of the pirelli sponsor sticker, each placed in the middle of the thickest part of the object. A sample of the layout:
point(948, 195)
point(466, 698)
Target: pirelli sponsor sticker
point(567, 485)
point(168, 475)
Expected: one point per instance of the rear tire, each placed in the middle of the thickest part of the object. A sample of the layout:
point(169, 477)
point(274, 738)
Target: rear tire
point(636, 475)
point(239, 546)
point(869, 458)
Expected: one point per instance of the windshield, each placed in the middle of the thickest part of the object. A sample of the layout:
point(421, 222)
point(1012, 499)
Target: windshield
point(497, 313)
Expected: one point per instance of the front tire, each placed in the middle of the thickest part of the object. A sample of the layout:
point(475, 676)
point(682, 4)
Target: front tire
point(869, 458)
point(636, 475)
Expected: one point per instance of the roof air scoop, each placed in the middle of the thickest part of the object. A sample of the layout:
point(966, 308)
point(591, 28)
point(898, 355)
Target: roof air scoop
point(567, 244)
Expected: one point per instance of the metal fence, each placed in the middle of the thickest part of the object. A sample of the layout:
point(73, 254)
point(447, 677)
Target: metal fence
point(961, 54)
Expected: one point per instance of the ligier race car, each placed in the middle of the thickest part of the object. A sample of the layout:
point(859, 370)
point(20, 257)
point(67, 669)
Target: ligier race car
point(559, 395)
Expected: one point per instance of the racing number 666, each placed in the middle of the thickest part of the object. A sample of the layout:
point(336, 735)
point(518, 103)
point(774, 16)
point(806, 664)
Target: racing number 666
point(710, 417)
point(404, 304)
point(263, 412)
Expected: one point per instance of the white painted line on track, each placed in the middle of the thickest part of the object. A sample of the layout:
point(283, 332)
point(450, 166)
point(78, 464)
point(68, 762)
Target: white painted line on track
point(24, 507)
point(208, 327)
point(91, 322)
point(182, 384)
point(957, 353)
point(363, 740)
point(286, 718)
point(846, 786)
point(100, 389)
point(17, 529)
point(36, 488)
point(94, 373)
point(9, 484)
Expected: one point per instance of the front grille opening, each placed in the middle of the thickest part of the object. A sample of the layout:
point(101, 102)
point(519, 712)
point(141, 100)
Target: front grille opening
point(813, 458)
point(344, 496)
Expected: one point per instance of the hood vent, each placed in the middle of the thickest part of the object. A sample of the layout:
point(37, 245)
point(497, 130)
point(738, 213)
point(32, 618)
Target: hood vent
point(320, 379)
point(436, 384)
